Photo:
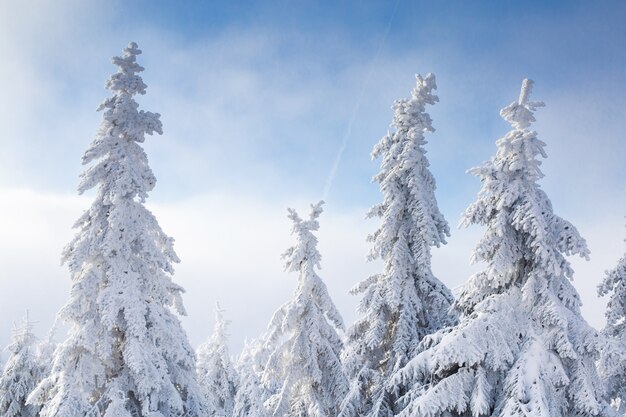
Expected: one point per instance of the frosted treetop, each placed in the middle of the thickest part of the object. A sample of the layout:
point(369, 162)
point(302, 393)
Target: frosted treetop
point(424, 88)
point(306, 248)
point(126, 79)
point(411, 112)
point(520, 113)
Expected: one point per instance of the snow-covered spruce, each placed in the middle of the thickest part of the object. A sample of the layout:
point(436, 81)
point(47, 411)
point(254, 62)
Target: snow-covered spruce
point(613, 362)
point(406, 301)
point(302, 339)
point(216, 374)
point(521, 347)
point(126, 353)
point(22, 372)
point(251, 393)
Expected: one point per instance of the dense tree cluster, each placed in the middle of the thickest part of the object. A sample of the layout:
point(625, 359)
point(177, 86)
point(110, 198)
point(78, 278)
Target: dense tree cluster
point(512, 343)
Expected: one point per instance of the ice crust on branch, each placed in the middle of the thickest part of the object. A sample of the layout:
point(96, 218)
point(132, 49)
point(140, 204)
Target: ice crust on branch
point(613, 361)
point(405, 302)
point(126, 353)
point(303, 342)
point(521, 347)
point(22, 372)
point(216, 374)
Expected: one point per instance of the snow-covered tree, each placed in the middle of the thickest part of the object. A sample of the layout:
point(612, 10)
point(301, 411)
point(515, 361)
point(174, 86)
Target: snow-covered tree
point(303, 341)
point(251, 393)
point(22, 372)
point(126, 353)
point(613, 362)
point(216, 374)
point(405, 302)
point(45, 352)
point(521, 347)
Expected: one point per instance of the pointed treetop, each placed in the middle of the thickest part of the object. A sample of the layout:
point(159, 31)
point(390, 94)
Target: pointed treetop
point(220, 322)
point(132, 49)
point(312, 223)
point(219, 311)
point(24, 330)
point(425, 86)
point(305, 249)
point(127, 80)
point(410, 115)
point(527, 88)
point(520, 113)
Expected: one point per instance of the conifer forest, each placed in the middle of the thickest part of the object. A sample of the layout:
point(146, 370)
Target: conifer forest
point(512, 340)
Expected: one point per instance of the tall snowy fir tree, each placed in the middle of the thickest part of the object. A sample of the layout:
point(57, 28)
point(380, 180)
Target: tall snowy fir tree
point(216, 374)
point(303, 341)
point(521, 347)
point(613, 362)
point(126, 353)
point(22, 372)
point(405, 302)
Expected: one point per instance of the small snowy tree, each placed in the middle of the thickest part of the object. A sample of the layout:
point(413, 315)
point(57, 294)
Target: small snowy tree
point(216, 374)
point(251, 394)
point(521, 347)
point(406, 301)
point(303, 341)
point(45, 353)
point(126, 353)
point(22, 372)
point(613, 363)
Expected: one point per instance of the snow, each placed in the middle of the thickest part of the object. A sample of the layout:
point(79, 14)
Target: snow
point(303, 339)
point(521, 346)
point(126, 353)
point(512, 344)
point(613, 361)
point(216, 374)
point(405, 302)
point(22, 372)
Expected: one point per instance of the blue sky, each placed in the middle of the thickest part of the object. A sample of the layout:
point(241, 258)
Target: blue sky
point(256, 98)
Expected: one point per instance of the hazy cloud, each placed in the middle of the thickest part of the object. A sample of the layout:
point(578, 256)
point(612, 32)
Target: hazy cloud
point(253, 117)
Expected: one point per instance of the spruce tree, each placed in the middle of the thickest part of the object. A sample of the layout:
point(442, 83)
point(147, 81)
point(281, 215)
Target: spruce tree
point(613, 362)
point(216, 374)
point(405, 302)
point(302, 340)
point(521, 347)
point(126, 353)
point(22, 372)
point(251, 393)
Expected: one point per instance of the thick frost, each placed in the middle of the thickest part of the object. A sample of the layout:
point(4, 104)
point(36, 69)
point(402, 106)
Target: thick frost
point(613, 363)
point(251, 393)
point(521, 347)
point(216, 374)
point(22, 372)
point(126, 354)
point(303, 344)
point(405, 302)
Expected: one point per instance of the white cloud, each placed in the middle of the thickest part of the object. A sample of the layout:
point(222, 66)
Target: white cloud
point(35, 228)
point(230, 248)
point(252, 121)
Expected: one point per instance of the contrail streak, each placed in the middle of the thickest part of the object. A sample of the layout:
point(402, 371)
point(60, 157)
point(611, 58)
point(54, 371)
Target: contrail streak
point(355, 110)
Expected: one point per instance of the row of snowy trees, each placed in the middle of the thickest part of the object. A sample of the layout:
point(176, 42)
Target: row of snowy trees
point(512, 344)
